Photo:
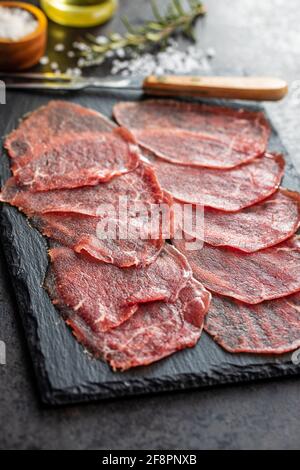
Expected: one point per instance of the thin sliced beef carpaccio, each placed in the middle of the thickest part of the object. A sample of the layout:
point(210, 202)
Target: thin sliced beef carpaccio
point(156, 330)
point(81, 233)
point(271, 327)
point(254, 228)
point(245, 131)
point(86, 160)
point(140, 185)
point(226, 190)
point(188, 148)
point(250, 277)
point(56, 119)
point(103, 295)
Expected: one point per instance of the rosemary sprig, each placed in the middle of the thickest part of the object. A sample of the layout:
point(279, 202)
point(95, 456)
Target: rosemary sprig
point(153, 33)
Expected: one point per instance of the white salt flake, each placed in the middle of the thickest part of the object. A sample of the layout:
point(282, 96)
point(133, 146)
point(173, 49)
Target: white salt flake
point(16, 23)
point(80, 46)
point(74, 72)
point(59, 47)
point(54, 65)
point(71, 54)
point(159, 71)
point(101, 40)
point(171, 60)
point(44, 60)
point(120, 53)
point(109, 54)
point(210, 53)
point(81, 62)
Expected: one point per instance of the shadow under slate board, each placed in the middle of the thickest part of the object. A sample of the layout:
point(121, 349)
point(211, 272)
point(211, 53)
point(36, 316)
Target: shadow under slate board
point(64, 371)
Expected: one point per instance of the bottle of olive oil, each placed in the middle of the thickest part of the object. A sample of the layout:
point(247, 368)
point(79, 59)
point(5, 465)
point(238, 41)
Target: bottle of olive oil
point(79, 13)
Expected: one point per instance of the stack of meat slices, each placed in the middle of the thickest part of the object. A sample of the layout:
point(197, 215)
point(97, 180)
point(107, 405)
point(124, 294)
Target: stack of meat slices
point(130, 299)
point(249, 258)
point(133, 300)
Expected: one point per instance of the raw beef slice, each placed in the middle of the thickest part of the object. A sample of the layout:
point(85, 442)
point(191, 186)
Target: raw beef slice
point(56, 119)
point(245, 131)
point(249, 277)
point(254, 228)
point(192, 149)
point(79, 232)
point(156, 330)
point(271, 327)
point(72, 217)
point(86, 160)
point(140, 185)
point(103, 295)
point(226, 190)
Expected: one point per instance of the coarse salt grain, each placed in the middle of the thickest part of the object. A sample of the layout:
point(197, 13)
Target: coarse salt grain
point(171, 60)
point(80, 46)
point(44, 60)
point(210, 53)
point(73, 72)
point(16, 23)
point(59, 47)
point(101, 40)
point(54, 66)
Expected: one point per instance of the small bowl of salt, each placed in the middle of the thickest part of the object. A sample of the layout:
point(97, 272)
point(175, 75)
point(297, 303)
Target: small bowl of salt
point(23, 35)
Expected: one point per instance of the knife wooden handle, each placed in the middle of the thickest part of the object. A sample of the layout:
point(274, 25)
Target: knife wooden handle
point(243, 88)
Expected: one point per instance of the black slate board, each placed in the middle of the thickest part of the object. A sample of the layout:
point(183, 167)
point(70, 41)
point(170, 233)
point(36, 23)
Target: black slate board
point(64, 371)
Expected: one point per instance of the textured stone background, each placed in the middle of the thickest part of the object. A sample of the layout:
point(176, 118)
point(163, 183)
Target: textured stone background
point(261, 37)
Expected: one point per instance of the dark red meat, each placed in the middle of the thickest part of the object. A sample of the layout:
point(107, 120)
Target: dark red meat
point(193, 149)
point(56, 119)
point(249, 277)
point(140, 185)
point(96, 221)
point(271, 327)
point(79, 232)
point(156, 330)
point(241, 130)
point(226, 190)
point(86, 160)
point(103, 295)
point(254, 228)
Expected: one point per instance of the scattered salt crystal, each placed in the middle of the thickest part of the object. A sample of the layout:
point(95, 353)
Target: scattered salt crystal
point(74, 72)
point(114, 71)
point(109, 54)
point(81, 62)
point(159, 71)
point(54, 65)
point(44, 60)
point(120, 53)
point(15, 23)
point(171, 60)
point(81, 46)
point(210, 53)
point(59, 47)
point(101, 40)
point(71, 54)
point(77, 72)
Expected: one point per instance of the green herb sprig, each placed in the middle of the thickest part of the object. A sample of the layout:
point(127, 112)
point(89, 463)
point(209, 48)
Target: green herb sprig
point(153, 33)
